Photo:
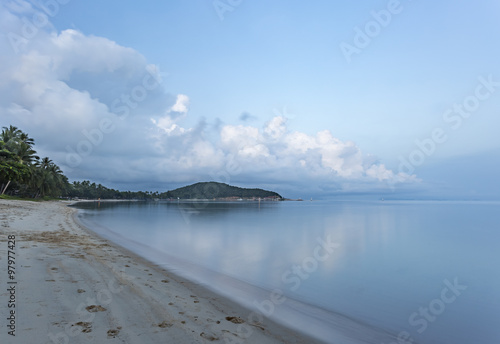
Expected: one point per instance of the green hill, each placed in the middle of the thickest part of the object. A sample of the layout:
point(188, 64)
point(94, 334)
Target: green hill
point(211, 190)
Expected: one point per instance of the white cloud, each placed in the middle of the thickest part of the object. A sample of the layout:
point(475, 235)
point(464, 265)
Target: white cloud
point(235, 137)
point(181, 104)
point(276, 127)
point(61, 87)
point(174, 114)
point(322, 155)
point(167, 124)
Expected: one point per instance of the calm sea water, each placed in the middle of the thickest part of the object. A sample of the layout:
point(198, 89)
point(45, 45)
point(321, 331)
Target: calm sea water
point(426, 271)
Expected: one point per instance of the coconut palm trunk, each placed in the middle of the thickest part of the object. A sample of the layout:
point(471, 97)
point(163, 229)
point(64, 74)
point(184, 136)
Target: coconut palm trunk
point(5, 188)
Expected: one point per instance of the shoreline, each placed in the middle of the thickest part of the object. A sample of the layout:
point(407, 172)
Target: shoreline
point(326, 326)
point(74, 286)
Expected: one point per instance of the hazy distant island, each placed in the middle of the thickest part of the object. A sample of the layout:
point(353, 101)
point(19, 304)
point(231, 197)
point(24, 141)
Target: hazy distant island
point(220, 191)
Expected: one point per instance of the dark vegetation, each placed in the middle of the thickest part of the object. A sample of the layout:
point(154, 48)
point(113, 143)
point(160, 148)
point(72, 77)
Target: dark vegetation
point(210, 190)
point(89, 190)
point(23, 172)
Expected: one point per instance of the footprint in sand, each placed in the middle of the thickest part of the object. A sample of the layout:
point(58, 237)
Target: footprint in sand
point(208, 337)
point(86, 326)
point(165, 324)
point(94, 309)
point(113, 333)
point(235, 320)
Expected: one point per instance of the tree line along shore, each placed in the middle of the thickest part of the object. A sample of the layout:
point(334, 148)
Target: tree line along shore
point(24, 174)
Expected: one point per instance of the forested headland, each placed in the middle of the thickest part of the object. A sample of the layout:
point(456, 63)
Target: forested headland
point(214, 190)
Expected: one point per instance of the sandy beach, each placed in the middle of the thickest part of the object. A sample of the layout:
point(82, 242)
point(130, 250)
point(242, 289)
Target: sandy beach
point(67, 285)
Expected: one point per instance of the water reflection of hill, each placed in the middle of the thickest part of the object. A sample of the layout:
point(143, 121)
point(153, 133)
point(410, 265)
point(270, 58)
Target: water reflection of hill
point(200, 208)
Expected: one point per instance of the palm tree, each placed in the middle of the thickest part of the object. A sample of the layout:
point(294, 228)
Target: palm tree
point(19, 163)
point(25, 154)
point(47, 178)
point(16, 155)
point(10, 136)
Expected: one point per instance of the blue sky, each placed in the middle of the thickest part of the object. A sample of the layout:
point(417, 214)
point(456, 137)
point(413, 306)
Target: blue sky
point(262, 93)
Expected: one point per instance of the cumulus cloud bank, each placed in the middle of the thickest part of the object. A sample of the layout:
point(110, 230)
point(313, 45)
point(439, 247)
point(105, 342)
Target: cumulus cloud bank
point(102, 112)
